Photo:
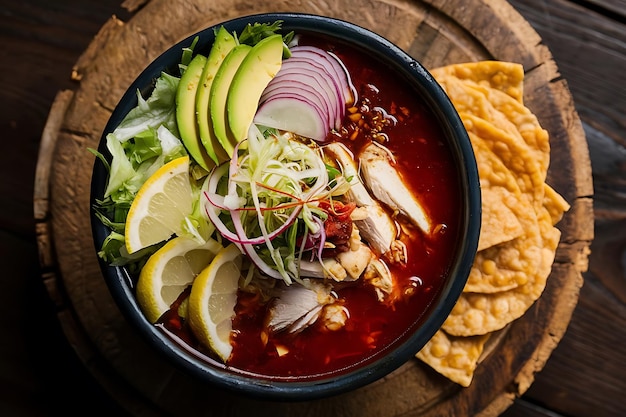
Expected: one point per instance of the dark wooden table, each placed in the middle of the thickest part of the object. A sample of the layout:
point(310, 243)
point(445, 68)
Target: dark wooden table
point(42, 375)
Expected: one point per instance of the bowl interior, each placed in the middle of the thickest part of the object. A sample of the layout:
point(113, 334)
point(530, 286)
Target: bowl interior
point(121, 283)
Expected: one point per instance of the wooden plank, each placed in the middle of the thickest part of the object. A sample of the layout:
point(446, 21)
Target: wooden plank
point(580, 41)
point(615, 9)
point(580, 355)
point(40, 42)
point(523, 408)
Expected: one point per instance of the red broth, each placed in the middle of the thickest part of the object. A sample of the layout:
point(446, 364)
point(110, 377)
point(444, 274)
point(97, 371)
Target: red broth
point(427, 165)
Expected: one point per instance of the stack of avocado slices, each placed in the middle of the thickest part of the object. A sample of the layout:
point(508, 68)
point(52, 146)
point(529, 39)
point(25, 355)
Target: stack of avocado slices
point(218, 95)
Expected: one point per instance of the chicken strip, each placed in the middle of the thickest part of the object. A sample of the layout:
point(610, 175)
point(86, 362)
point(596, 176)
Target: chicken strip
point(374, 223)
point(386, 184)
point(298, 306)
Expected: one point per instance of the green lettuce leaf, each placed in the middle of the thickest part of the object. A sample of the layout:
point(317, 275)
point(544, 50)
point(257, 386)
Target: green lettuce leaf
point(159, 109)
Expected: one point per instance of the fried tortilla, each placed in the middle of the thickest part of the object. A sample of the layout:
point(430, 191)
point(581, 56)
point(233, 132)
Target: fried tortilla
point(507, 77)
point(454, 357)
point(518, 238)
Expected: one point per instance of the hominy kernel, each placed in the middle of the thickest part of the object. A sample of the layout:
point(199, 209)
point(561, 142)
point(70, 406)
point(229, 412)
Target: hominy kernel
point(439, 350)
point(474, 319)
point(500, 307)
point(355, 117)
point(354, 134)
point(489, 267)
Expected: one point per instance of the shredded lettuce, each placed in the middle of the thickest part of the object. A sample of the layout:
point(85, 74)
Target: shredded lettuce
point(267, 197)
point(114, 253)
point(187, 56)
point(146, 139)
point(159, 109)
point(122, 170)
point(134, 161)
point(144, 147)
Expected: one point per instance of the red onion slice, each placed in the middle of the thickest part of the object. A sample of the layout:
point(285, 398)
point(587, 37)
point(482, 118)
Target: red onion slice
point(322, 86)
point(295, 114)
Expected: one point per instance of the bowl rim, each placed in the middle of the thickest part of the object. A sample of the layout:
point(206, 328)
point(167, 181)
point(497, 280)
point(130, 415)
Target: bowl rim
point(119, 281)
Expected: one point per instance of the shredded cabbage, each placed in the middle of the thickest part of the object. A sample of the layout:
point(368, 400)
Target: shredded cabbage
point(265, 199)
point(271, 197)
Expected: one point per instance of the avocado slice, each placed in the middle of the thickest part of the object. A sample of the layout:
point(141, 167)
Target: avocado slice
point(254, 74)
point(222, 45)
point(219, 94)
point(186, 112)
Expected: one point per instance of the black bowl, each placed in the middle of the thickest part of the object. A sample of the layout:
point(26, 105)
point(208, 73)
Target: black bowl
point(214, 374)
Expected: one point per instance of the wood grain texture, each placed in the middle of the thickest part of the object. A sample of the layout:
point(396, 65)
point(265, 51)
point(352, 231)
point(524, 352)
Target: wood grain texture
point(598, 42)
point(475, 31)
point(39, 41)
point(591, 50)
point(616, 9)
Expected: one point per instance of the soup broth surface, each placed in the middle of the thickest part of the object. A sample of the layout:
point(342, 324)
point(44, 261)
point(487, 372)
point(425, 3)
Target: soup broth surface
point(428, 167)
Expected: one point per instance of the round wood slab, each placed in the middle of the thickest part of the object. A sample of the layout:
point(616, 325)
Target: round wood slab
point(434, 32)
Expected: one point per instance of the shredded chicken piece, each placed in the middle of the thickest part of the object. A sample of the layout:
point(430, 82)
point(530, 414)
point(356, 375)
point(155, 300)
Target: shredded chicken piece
point(397, 254)
point(386, 184)
point(334, 269)
point(377, 274)
point(357, 258)
point(296, 306)
point(375, 224)
point(334, 316)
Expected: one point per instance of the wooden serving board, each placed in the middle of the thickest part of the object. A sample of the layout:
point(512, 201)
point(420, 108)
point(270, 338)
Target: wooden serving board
point(434, 32)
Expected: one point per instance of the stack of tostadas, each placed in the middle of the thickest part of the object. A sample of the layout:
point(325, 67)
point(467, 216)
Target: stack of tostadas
point(518, 237)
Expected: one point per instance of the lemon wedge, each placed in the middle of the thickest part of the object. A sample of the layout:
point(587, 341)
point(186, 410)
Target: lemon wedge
point(160, 206)
point(212, 301)
point(169, 271)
